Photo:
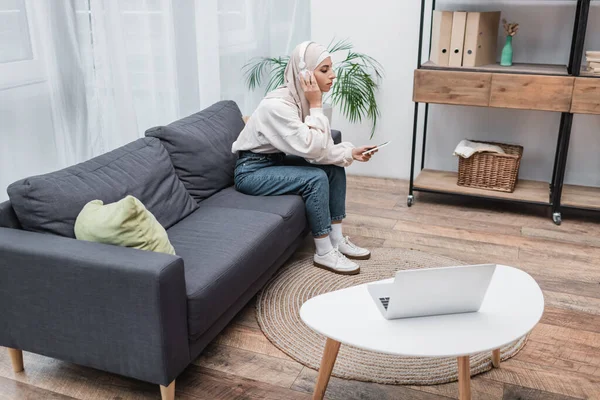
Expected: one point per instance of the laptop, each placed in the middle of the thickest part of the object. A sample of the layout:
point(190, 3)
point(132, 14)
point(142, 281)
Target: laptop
point(433, 291)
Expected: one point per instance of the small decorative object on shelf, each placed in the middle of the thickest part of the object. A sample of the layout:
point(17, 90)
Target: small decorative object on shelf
point(593, 61)
point(488, 165)
point(510, 30)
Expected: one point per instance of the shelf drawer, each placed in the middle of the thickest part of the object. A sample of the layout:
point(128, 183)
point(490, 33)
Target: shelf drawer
point(448, 87)
point(531, 92)
point(586, 96)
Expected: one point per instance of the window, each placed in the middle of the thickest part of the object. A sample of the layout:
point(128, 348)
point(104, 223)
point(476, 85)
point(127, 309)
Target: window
point(236, 25)
point(18, 61)
point(140, 55)
point(15, 42)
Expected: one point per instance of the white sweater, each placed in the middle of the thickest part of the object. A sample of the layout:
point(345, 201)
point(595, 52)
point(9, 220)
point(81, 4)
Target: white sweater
point(276, 127)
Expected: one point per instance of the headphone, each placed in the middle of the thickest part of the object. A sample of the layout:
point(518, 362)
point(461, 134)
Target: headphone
point(302, 64)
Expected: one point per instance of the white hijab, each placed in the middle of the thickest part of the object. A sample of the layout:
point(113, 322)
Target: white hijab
point(291, 90)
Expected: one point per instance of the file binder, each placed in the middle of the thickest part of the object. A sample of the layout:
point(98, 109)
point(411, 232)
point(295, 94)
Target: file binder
point(457, 40)
point(481, 38)
point(593, 64)
point(440, 37)
point(592, 54)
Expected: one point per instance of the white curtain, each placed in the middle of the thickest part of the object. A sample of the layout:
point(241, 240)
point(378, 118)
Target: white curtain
point(110, 69)
point(59, 52)
point(262, 28)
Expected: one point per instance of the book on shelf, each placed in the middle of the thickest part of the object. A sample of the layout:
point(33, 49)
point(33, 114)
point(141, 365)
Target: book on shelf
point(592, 54)
point(593, 60)
point(593, 65)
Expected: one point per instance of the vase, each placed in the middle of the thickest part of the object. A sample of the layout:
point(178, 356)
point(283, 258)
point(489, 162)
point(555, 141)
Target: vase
point(507, 53)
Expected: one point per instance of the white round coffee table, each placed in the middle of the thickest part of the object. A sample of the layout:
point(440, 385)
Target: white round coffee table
point(512, 306)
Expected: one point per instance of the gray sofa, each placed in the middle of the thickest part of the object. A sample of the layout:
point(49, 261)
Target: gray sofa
point(136, 313)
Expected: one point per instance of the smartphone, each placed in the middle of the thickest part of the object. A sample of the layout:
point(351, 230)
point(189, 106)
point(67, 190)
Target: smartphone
point(377, 147)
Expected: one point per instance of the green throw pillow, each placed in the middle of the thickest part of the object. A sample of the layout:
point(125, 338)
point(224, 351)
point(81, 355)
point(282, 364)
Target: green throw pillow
point(125, 223)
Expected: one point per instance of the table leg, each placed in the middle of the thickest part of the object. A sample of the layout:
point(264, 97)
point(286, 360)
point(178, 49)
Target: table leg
point(329, 355)
point(464, 378)
point(496, 358)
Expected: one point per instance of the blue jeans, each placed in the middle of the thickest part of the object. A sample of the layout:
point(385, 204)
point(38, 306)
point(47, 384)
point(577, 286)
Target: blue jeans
point(323, 187)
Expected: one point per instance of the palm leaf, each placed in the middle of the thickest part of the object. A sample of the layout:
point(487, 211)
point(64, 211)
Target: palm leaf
point(278, 75)
point(355, 94)
point(369, 63)
point(351, 94)
point(340, 45)
point(255, 69)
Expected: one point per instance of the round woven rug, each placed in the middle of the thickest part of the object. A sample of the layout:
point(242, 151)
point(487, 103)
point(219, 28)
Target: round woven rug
point(278, 312)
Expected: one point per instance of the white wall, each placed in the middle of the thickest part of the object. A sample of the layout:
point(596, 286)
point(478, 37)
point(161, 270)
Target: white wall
point(388, 31)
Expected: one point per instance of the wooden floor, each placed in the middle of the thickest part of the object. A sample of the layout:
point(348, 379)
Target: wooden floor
point(560, 361)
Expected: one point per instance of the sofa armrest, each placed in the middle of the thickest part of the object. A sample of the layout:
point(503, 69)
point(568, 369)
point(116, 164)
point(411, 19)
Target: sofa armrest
point(336, 135)
point(8, 218)
point(112, 308)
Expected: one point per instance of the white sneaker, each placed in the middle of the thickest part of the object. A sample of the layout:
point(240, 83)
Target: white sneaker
point(335, 261)
point(352, 251)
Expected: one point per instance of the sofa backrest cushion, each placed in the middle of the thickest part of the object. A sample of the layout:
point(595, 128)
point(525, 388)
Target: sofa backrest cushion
point(50, 203)
point(200, 147)
point(8, 218)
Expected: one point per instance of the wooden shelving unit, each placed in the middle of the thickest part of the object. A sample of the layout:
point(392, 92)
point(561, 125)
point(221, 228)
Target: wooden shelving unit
point(589, 74)
point(490, 89)
point(586, 96)
point(581, 197)
point(445, 181)
point(516, 68)
point(558, 88)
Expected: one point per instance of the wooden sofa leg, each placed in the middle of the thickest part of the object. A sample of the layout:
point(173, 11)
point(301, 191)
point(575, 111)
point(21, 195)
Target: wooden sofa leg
point(16, 357)
point(168, 393)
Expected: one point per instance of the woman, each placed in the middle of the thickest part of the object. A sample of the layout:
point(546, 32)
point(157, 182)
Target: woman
point(290, 121)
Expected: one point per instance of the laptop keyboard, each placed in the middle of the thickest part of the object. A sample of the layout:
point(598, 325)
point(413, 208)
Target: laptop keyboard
point(385, 301)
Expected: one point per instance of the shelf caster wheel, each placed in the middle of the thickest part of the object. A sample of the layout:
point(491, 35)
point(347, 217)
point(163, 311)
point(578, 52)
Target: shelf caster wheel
point(557, 218)
point(410, 201)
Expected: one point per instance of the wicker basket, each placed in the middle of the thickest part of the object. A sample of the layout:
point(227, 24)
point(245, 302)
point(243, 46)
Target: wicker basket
point(491, 171)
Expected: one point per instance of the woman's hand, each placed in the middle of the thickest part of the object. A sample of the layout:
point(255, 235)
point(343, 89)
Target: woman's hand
point(311, 90)
point(357, 153)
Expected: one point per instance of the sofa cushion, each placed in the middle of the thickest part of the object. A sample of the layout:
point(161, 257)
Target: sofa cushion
point(200, 147)
point(50, 203)
point(224, 251)
point(125, 223)
point(290, 208)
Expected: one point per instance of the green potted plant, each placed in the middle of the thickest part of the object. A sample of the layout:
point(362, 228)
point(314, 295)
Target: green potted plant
point(358, 77)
